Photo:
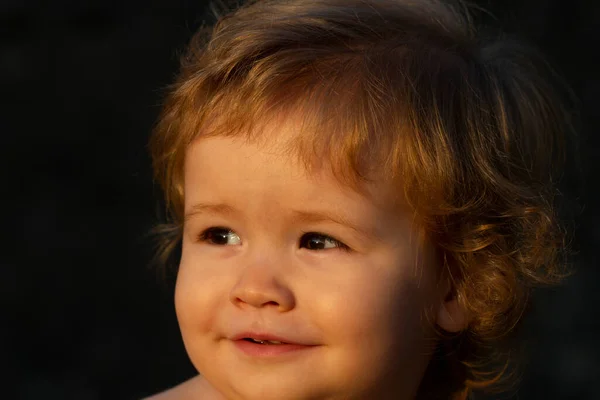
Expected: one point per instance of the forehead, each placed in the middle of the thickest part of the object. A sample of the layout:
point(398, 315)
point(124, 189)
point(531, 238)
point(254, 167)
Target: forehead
point(225, 164)
point(313, 147)
point(276, 144)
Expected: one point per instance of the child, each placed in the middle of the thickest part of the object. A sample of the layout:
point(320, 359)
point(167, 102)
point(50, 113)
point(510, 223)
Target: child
point(364, 195)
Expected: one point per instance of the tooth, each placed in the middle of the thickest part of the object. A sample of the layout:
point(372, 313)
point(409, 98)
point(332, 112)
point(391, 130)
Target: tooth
point(266, 341)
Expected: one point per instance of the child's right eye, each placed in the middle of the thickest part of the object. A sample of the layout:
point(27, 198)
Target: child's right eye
point(220, 236)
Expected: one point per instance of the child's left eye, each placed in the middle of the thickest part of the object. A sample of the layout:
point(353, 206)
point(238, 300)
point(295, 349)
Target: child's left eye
point(319, 241)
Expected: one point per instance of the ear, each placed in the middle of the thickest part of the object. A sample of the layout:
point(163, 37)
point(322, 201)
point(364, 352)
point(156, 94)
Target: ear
point(451, 316)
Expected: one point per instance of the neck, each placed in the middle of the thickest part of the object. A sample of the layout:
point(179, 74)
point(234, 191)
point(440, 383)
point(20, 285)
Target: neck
point(206, 391)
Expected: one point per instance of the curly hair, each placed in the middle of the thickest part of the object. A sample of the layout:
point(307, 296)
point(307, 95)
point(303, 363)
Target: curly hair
point(468, 126)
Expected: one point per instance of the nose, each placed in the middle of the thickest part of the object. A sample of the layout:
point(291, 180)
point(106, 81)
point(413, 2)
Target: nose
point(260, 285)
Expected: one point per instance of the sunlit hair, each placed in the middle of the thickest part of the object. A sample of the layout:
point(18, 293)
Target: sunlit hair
point(466, 126)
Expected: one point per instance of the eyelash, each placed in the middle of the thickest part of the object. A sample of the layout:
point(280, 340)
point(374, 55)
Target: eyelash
point(206, 235)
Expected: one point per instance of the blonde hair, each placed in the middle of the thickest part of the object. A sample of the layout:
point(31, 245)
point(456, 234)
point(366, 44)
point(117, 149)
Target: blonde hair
point(468, 128)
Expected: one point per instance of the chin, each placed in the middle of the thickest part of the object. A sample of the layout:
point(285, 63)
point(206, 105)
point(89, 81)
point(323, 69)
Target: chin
point(275, 389)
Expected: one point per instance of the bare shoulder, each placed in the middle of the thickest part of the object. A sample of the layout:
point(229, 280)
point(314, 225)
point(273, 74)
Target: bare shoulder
point(188, 390)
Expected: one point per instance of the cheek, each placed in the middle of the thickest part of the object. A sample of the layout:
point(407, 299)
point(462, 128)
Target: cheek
point(383, 296)
point(373, 327)
point(379, 307)
point(195, 293)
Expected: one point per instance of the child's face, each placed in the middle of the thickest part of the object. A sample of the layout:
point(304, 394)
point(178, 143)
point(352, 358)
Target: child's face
point(269, 263)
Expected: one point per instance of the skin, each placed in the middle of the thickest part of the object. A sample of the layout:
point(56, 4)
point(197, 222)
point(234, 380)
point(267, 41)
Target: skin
point(360, 307)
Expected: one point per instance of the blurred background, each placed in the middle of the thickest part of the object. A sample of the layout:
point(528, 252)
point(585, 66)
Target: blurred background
point(83, 315)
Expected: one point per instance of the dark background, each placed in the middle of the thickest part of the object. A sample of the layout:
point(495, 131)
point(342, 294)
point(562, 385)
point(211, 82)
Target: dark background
point(83, 316)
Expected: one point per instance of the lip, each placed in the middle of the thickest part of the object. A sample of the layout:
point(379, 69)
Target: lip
point(288, 346)
point(270, 336)
point(256, 350)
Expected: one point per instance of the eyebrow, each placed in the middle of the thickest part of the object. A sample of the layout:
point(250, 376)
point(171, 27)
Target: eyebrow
point(316, 217)
point(299, 216)
point(200, 208)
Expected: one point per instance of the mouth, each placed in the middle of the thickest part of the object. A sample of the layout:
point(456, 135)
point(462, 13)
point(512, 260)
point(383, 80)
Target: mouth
point(266, 338)
point(267, 346)
point(265, 342)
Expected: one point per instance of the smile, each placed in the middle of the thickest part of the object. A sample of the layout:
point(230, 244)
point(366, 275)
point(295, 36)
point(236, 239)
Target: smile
point(269, 348)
